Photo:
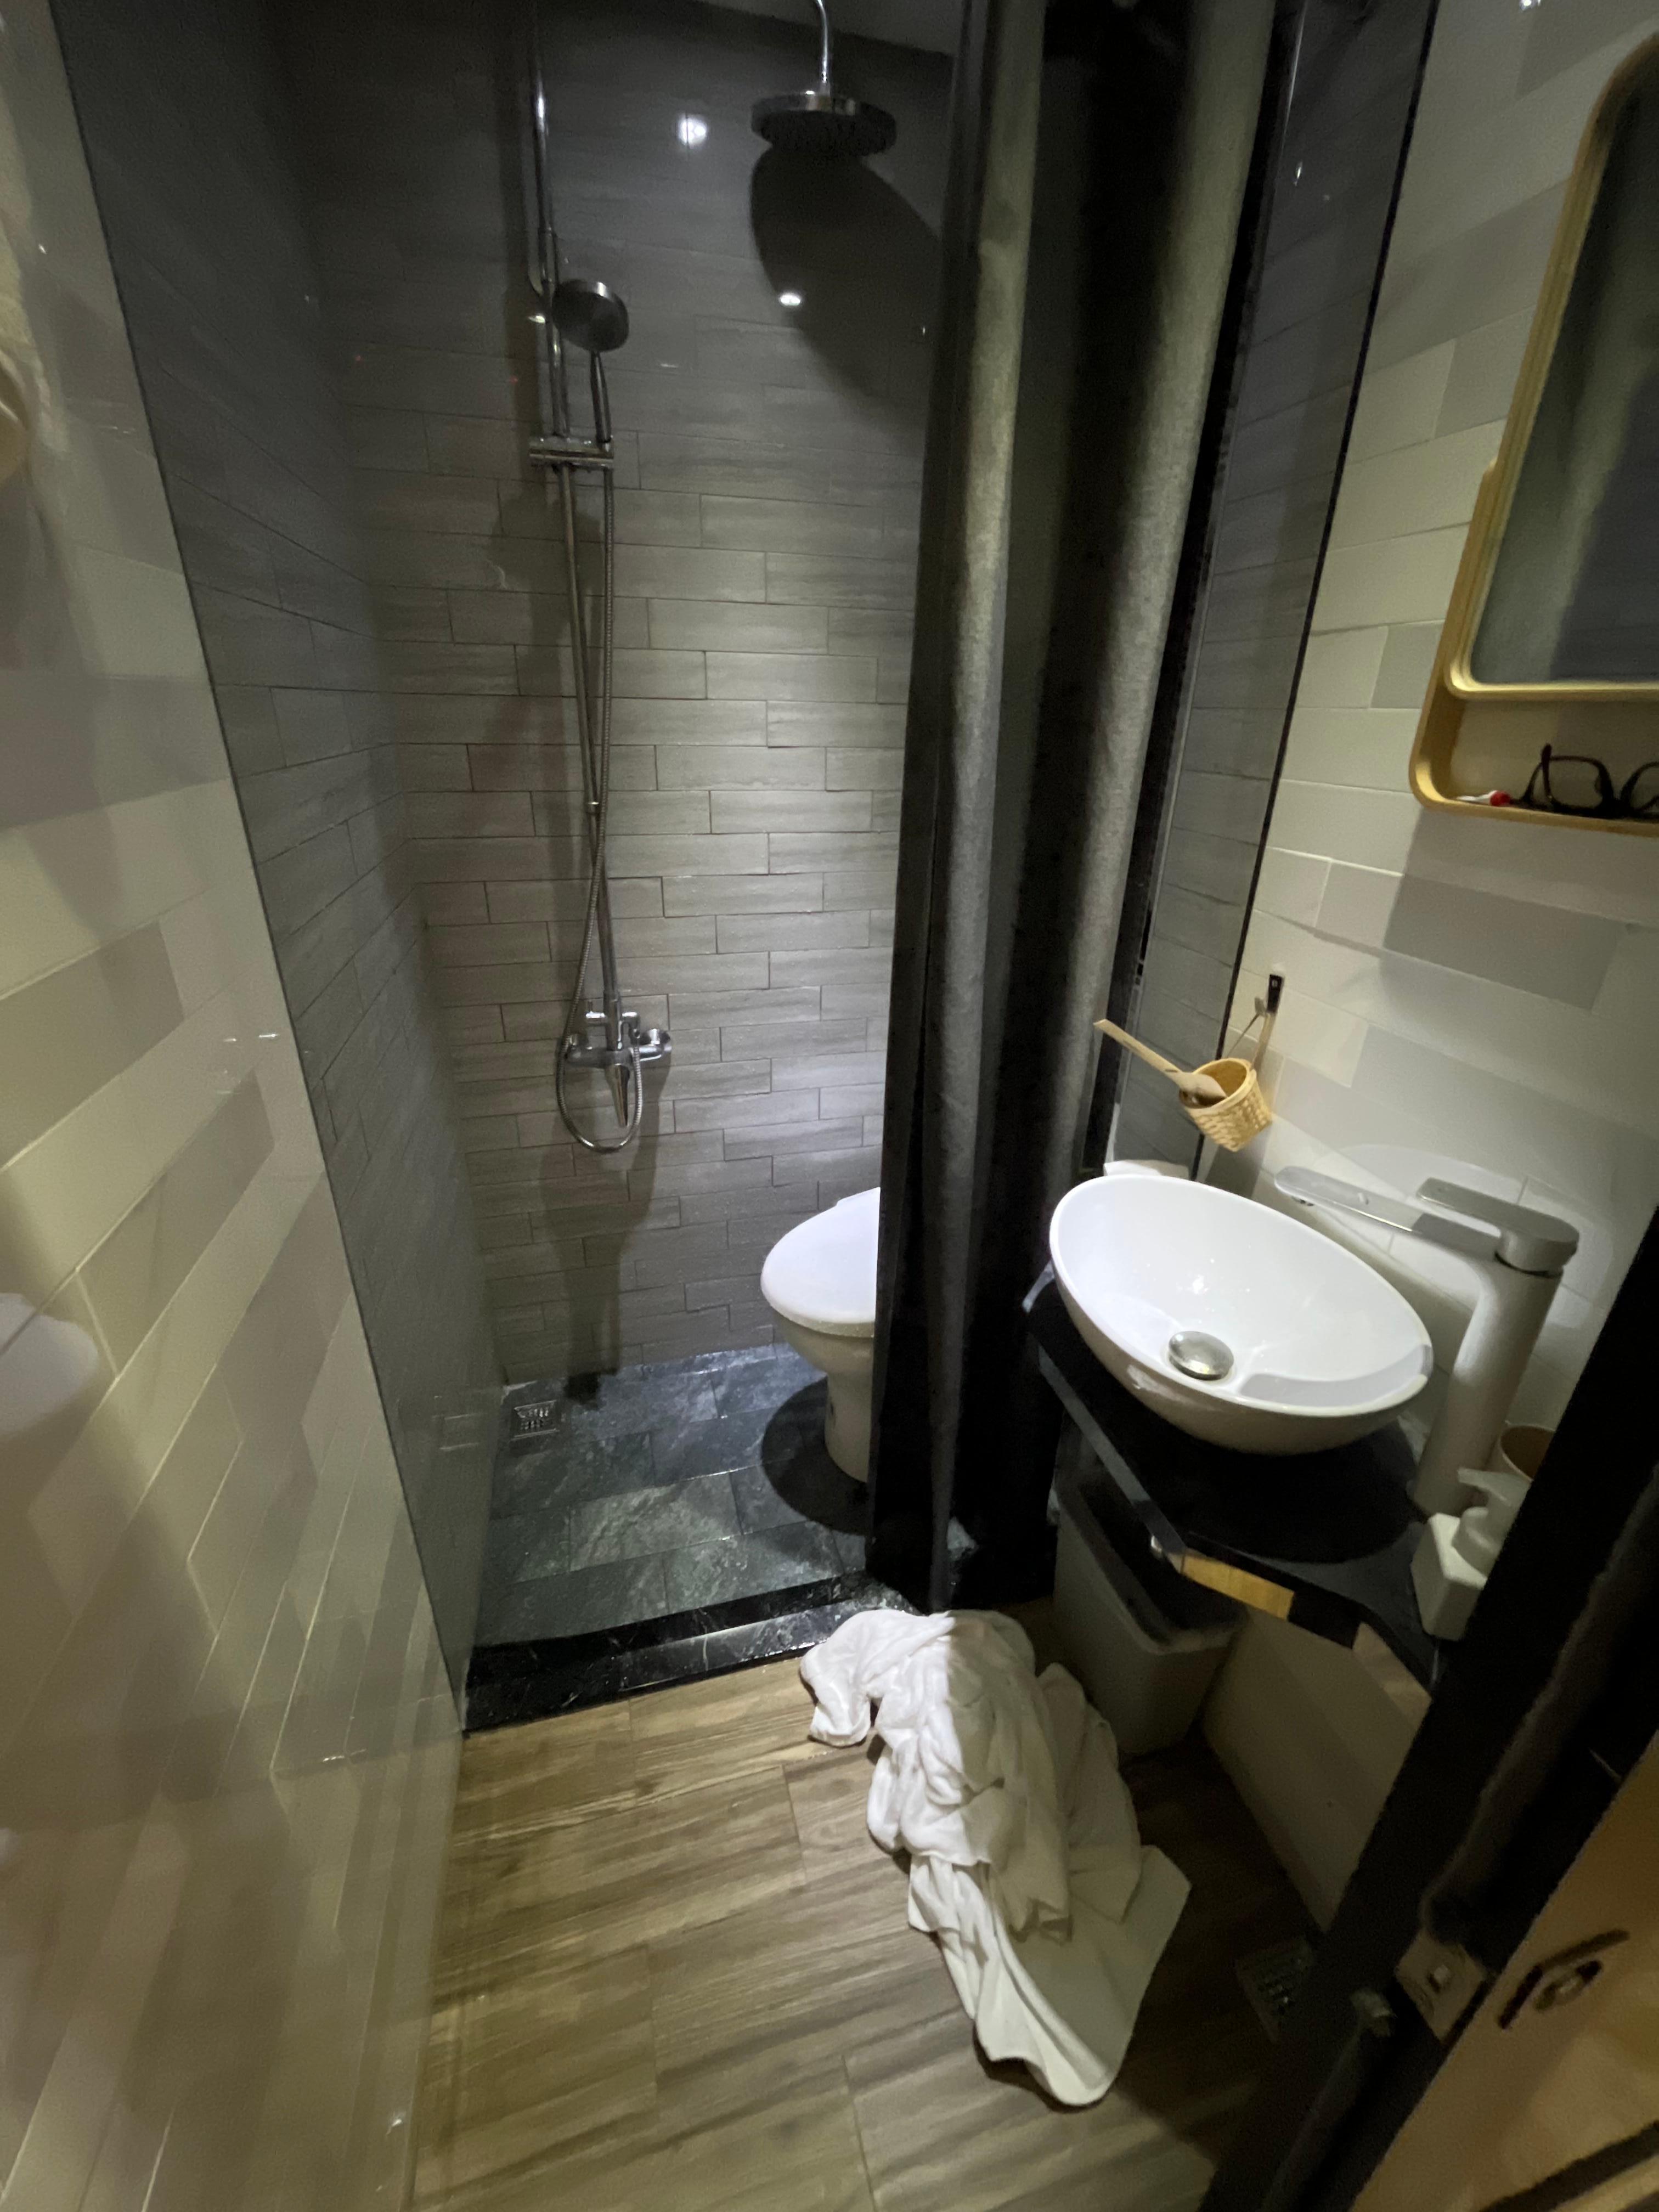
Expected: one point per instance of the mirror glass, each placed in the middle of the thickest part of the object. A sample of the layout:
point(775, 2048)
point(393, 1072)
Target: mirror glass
point(1574, 596)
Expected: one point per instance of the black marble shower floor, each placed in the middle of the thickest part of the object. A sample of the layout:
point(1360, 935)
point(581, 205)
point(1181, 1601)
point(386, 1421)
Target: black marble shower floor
point(657, 1489)
point(663, 1522)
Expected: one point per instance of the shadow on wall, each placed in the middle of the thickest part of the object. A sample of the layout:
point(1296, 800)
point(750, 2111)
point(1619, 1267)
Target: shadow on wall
point(822, 226)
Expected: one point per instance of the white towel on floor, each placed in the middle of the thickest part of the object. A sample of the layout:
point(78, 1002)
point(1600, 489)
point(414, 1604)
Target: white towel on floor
point(1025, 1860)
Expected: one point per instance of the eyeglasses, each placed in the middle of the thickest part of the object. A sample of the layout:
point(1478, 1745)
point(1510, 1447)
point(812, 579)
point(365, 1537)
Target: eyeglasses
point(1572, 783)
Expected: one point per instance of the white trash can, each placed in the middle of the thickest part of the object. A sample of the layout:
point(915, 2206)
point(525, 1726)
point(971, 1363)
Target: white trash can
point(1146, 1660)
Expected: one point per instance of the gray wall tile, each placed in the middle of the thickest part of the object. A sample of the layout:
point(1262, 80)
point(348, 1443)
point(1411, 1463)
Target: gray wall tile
point(784, 525)
point(737, 628)
point(781, 676)
point(813, 723)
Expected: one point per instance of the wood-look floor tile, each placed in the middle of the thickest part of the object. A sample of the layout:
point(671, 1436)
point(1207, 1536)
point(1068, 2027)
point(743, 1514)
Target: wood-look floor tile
point(830, 1800)
point(942, 2129)
point(441, 2073)
point(1165, 2175)
point(801, 2156)
point(746, 2011)
point(642, 1871)
point(545, 1776)
point(542, 2061)
point(744, 1723)
point(676, 1975)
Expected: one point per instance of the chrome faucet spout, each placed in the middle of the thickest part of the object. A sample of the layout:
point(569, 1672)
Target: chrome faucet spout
point(1518, 1236)
point(1517, 1256)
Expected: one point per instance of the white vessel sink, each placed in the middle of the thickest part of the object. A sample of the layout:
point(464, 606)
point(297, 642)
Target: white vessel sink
point(1169, 1281)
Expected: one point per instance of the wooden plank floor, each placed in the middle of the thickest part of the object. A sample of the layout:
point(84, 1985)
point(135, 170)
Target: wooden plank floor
point(675, 1975)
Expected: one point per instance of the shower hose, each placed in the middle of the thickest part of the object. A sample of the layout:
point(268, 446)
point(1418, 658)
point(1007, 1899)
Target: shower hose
point(592, 684)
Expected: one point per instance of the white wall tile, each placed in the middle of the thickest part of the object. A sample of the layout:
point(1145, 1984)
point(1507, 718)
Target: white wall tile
point(1401, 404)
point(1368, 746)
point(1372, 828)
point(1413, 488)
point(1291, 885)
point(1459, 176)
point(1481, 381)
point(1339, 667)
point(1402, 579)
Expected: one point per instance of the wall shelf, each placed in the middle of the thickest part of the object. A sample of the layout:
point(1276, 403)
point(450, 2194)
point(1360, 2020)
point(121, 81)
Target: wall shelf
point(1475, 737)
point(1323, 1540)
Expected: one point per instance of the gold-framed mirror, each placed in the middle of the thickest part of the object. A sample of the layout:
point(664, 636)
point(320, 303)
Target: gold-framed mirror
point(1551, 639)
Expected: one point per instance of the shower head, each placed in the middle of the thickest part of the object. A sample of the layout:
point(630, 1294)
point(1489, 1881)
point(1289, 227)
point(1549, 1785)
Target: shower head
point(822, 121)
point(589, 314)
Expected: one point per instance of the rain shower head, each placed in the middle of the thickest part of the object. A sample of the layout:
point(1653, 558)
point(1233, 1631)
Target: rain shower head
point(825, 123)
point(822, 121)
point(589, 314)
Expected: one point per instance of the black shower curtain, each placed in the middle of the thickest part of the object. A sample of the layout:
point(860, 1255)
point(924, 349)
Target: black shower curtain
point(1089, 234)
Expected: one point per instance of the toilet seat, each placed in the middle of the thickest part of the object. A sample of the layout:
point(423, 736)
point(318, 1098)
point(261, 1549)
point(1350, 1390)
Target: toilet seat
point(822, 1274)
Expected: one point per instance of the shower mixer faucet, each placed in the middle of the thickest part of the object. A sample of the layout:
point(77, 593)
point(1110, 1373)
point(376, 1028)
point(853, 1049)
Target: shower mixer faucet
point(1517, 1256)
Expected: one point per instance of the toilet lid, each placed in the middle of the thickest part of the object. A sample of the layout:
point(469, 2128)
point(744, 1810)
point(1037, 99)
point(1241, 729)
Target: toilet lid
point(823, 1275)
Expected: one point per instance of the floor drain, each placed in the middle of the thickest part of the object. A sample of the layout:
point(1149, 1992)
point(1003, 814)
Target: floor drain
point(1272, 1980)
point(533, 1420)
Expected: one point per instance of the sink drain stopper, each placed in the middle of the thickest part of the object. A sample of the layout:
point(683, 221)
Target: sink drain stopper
point(1206, 1358)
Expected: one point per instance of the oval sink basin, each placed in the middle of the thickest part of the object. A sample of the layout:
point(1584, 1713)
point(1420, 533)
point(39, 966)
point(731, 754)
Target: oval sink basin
point(1236, 1324)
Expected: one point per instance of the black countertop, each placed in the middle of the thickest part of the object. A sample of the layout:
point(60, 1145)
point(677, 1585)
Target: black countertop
point(1336, 1529)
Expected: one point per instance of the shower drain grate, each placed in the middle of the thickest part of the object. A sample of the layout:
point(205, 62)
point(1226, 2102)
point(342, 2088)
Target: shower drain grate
point(533, 1420)
point(1272, 1980)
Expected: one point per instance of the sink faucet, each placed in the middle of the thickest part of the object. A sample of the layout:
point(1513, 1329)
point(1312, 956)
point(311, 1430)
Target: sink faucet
point(1517, 1256)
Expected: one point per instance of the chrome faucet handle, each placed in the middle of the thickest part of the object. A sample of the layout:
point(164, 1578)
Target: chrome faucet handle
point(1535, 1243)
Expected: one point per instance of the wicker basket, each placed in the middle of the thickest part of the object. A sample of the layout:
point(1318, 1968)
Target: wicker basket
point(1242, 1114)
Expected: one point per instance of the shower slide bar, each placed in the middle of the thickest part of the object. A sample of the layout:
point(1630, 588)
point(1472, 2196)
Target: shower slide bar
point(606, 1035)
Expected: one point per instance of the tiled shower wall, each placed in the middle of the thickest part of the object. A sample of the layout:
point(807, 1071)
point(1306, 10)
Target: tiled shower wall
point(185, 112)
point(226, 1745)
point(768, 467)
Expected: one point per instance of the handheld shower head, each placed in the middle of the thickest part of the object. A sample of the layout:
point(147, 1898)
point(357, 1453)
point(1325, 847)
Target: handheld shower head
point(589, 314)
point(820, 121)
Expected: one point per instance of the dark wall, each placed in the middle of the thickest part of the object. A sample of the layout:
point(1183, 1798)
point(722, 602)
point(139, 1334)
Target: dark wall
point(1334, 178)
point(183, 110)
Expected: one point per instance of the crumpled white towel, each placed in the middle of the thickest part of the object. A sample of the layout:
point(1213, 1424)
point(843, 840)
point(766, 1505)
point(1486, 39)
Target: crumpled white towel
point(1025, 1860)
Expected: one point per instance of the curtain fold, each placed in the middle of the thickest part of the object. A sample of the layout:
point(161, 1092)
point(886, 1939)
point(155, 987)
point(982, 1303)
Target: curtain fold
point(1089, 234)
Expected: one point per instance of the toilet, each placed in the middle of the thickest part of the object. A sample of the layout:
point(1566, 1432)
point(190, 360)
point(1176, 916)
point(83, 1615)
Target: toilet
point(820, 1281)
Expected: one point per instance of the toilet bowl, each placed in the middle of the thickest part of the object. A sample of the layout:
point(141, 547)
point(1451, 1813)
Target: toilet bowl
point(820, 1281)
